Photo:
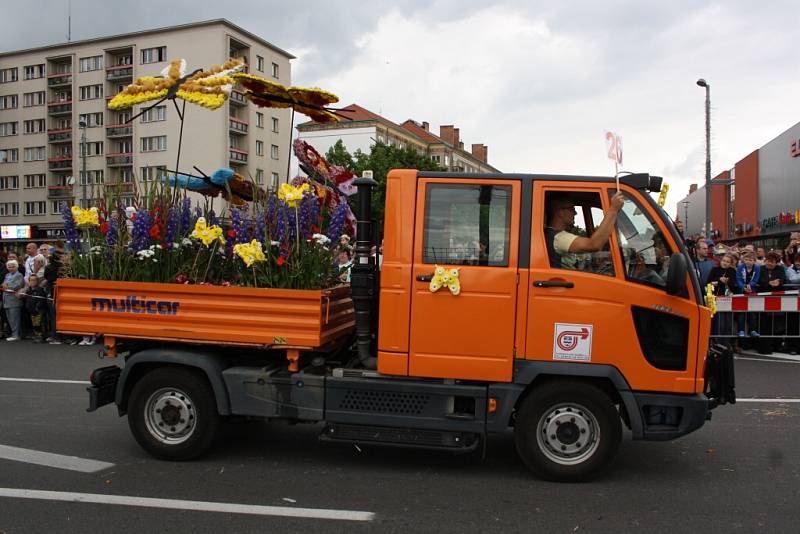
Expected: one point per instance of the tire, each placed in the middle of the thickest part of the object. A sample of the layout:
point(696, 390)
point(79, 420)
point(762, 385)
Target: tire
point(553, 423)
point(172, 413)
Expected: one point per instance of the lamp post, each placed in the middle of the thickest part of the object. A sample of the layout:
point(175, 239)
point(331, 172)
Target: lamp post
point(702, 83)
point(84, 178)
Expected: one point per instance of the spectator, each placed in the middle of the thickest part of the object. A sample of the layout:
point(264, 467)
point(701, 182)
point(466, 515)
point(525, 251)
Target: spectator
point(12, 283)
point(772, 278)
point(344, 263)
point(747, 276)
point(13, 256)
point(703, 265)
point(761, 255)
point(32, 249)
point(790, 254)
point(52, 272)
point(723, 278)
point(793, 272)
point(35, 304)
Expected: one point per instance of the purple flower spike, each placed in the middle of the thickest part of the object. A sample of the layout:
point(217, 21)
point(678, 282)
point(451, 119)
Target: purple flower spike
point(140, 237)
point(70, 229)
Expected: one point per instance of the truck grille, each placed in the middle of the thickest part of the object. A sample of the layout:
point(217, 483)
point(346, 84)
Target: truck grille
point(388, 402)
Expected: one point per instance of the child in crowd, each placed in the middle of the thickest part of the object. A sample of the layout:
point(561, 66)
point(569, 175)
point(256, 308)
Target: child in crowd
point(747, 276)
point(35, 305)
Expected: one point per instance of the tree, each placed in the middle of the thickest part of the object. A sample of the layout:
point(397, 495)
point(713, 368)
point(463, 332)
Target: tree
point(381, 159)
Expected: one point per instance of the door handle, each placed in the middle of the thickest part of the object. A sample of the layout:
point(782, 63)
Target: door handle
point(553, 283)
point(424, 277)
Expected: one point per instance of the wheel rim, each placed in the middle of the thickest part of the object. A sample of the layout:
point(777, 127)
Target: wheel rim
point(170, 416)
point(568, 433)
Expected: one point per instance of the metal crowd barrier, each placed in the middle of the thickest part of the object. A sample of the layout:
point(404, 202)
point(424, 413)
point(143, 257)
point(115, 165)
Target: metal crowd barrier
point(761, 315)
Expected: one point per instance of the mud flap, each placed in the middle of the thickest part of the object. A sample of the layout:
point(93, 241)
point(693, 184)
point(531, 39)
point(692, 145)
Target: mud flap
point(720, 377)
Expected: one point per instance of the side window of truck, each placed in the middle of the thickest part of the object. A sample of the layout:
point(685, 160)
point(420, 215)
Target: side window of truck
point(644, 249)
point(569, 214)
point(467, 224)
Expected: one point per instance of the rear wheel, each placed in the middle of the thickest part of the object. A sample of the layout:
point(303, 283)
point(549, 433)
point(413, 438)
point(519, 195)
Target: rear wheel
point(567, 431)
point(172, 413)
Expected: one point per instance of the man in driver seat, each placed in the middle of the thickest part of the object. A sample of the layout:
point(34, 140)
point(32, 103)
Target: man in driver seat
point(562, 245)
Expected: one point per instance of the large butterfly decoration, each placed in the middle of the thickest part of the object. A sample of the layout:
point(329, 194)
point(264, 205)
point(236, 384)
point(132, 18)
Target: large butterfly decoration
point(208, 88)
point(232, 186)
point(308, 101)
point(317, 167)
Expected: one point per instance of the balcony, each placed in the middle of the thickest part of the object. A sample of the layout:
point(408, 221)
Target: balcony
point(59, 191)
point(62, 135)
point(59, 107)
point(238, 98)
point(60, 163)
point(120, 159)
point(120, 187)
point(119, 73)
point(60, 79)
point(237, 126)
point(119, 130)
point(238, 156)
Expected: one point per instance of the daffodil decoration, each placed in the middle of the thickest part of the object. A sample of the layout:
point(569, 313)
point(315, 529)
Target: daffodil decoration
point(208, 88)
point(711, 300)
point(291, 195)
point(85, 217)
point(308, 101)
point(207, 234)
point(250, 253)
point(662, 197)
point(443, 277)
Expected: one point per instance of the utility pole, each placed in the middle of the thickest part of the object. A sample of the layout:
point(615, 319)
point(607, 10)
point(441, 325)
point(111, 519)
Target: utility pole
point(702, 83)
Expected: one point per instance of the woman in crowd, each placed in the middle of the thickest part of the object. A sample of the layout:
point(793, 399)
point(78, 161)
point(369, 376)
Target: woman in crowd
point(12, 283)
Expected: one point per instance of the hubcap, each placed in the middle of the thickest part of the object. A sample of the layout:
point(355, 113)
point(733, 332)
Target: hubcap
point(568, 434)
point(170, 416)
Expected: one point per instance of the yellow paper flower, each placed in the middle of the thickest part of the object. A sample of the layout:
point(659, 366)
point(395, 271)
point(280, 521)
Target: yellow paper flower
point(711, 299)
point(88, 217)
point(207, 234)
point(292, 195)
point(662, 197)
point(448, 278)
point(250, 253)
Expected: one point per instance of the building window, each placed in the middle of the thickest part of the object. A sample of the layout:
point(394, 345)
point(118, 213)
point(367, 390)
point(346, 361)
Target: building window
point(273, 153)
point(91, 92)
point(158, 113)
point(34, 153)
point(35, 181)
point(57, 205)
point(91, 63)
point(33, 99)
point(33, 72)
point(93, 148)
point(34, 126)
point(153, 173)
point(156, 143)
point(260, 64)
point(8, 102)
point(437, 158)
point(9, 182)
point(275, 70)
point(8, 128)
point(36, 208)
point(95, 177)
point(260, 176)
point(9, 155)
point(8, 75)
point(259, 119)
point(92, 120)
point(154, 55)
point(9, 209)
point(275, 124)
point(259, 148)
point(274, 181)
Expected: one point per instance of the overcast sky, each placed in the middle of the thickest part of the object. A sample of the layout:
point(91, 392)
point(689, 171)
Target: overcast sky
point(538, 82)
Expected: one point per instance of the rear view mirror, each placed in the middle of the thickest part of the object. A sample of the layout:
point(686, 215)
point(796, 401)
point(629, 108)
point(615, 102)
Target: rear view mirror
point(676, 275)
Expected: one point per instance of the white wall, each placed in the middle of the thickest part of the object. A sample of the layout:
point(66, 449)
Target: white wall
point(353, 139)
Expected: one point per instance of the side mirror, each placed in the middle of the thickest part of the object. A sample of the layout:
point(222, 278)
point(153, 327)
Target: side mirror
point(676, 275)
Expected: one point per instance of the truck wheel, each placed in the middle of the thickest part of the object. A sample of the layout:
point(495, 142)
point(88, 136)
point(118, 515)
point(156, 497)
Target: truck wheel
point(567, 431)
point(172, 413)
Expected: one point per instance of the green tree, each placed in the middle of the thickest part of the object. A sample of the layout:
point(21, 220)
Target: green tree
point(338, 155)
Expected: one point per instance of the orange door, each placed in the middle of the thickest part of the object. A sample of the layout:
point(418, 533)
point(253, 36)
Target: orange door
point(470, 225)
point(611, 307)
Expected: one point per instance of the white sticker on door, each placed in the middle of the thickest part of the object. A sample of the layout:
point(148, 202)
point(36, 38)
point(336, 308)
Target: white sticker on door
point(573, 342)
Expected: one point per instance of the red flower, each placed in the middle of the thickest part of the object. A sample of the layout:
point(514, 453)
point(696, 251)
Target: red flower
point(231, 233)
point(181, 279)
point(155, 232)
point(280, 261)
point(104, 227)
point(315, 228)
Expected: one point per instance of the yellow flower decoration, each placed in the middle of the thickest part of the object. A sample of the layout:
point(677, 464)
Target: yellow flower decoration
point(250, 252)
point(207, 234)
point(292, 195)
point(208, 88)
point(711, 299)
point(662, 197)
point(448, 278)
point(308, 101)
point(88, 217)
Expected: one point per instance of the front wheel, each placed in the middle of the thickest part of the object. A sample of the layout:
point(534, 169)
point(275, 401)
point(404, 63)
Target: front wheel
point(567, 431)
point(172, 413)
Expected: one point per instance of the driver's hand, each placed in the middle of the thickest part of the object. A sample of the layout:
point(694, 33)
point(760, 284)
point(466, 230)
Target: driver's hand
point(617, 201)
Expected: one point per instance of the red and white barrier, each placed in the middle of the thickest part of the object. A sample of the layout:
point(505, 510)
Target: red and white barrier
point(779, 301)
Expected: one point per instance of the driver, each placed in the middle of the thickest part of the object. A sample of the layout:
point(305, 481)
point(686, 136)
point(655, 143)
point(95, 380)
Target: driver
point(562, 245)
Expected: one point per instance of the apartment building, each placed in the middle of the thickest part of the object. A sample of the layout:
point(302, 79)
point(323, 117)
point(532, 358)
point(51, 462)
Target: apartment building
point(53, 101)
point(360, 128)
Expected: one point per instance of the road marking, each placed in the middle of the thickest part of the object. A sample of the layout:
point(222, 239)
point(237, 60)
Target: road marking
point(49, 459)
point(199, 506)
point(776, 400)
point(765, 360)
point(43, 380)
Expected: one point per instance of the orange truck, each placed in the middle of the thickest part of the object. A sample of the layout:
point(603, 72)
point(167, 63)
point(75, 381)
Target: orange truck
point(465, 326)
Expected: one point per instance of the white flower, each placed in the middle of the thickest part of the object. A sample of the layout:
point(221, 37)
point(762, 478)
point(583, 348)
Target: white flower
point(274, 243)
point(321, 239)
point(176, 245)
point(159, 247)
point(186, 242)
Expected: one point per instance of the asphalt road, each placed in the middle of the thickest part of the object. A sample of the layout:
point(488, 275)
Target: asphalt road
point(739, 473)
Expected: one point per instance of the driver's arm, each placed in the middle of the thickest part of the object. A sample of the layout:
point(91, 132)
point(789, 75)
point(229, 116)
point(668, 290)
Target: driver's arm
point(600, 236)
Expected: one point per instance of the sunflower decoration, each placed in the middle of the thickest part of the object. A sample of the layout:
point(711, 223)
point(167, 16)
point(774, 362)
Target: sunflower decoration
point(308, 101)
point(208, 88)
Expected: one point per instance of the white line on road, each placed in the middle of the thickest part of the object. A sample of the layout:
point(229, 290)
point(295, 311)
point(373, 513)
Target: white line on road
point(43, 380)
point(765, 360)
point(49, 459)
point(199, 506)
point(776, 400)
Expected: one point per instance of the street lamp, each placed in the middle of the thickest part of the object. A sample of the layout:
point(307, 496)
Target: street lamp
point(82, 125)
point(702, 83)
point(685, 215)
